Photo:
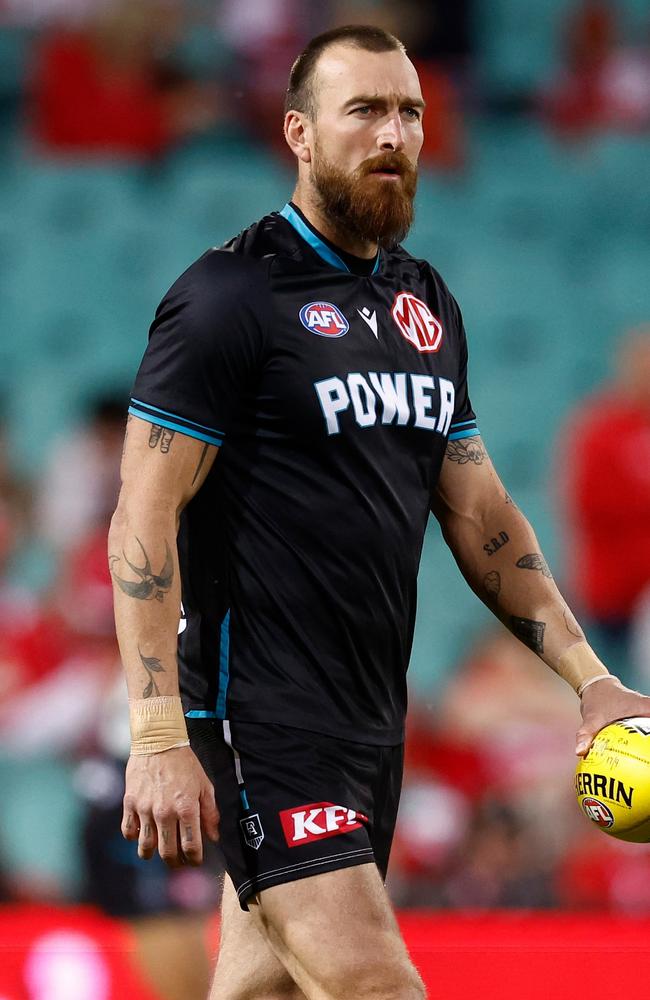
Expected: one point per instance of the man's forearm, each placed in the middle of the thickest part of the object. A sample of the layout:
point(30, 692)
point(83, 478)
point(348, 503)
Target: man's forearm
point(500, 558)
point(143, 559)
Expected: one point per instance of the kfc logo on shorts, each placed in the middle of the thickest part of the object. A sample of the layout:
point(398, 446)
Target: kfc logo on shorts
point(251, 827)
point(416, 323)
point(317, 821)
point(324, 319)
point(598, 813)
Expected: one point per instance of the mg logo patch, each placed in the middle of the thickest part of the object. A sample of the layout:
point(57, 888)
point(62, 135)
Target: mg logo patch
point(318, 820)
point(251, 828)
point(416, 323)
point(324, 319)
point(598, 813)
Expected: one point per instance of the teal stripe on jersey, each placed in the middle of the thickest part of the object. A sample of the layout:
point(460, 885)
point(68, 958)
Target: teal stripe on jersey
point(322, 249)
point(464, 423)
point(224, 666)
point(153, 418)
point(464, 434)
point(183, 420)
point(197, 713)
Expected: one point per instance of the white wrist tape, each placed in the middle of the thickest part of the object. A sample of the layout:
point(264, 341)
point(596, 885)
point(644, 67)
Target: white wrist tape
point(157, 724)
point(580, 666)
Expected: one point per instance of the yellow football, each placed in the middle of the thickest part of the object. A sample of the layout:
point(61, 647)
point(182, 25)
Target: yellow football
point(613, 780)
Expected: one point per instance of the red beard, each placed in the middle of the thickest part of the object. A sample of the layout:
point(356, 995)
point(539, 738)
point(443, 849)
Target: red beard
point(378, 210)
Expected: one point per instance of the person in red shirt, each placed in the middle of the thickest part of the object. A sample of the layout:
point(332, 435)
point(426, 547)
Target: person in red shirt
point(606, 477)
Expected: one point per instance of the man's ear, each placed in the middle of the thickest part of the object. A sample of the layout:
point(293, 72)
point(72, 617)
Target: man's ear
point(298, 133)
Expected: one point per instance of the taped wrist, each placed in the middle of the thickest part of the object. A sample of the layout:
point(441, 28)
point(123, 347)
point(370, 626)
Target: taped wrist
point(157, 724)
point(579, 666)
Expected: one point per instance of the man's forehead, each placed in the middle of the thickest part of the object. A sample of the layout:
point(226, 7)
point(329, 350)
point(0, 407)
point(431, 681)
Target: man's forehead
point(344, 71)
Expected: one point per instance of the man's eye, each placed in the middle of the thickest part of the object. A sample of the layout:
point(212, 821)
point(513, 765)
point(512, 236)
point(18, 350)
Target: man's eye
point(413, 113)
point(365, 108)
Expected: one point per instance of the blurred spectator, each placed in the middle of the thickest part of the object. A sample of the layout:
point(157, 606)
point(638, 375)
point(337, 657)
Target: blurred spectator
point(488, 795)
point(110, 87)
point(15, 515)
point(80, 483)
point(601, 86)
point(606, 492)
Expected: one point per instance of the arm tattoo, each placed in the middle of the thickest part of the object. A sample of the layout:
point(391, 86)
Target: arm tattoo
point(530, 632)
point(571, 624)
point(161, 435)
point(153, 666)
point(464, 451)
point(150, 584)
point(496, 543)
point(492, 584)
point(200, 465)
point(535, 560)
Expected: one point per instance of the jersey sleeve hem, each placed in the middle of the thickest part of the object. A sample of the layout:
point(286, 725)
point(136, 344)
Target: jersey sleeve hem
point(463, 429)
point(174, 422)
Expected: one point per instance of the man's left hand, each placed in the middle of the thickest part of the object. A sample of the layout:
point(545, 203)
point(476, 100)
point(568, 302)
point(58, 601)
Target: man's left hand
point(604, 702)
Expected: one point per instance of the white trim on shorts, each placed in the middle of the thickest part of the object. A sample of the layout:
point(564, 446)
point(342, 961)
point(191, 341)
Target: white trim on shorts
point(327, 859)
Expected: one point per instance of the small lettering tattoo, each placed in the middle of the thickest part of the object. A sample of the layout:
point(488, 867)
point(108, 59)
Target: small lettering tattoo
point(492, 584)
point(161, 435)
point(147, 831)
point(129, 823)
point(153, 666)
point(151, 585)
point(530, 632)
point(165, 835)
point(189, 836)
point(200, 465)
point(496, 543)
point(462, 452)
point(571, 624)
point(535, 560)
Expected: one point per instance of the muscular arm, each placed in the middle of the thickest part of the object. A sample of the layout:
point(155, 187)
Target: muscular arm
point(168, 796)
point(498, 553)
point(499, 556)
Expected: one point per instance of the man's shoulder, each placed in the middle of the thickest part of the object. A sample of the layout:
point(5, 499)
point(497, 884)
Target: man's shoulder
point(402, 260)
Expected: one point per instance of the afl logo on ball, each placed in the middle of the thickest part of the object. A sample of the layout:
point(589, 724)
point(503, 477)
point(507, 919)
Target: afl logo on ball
point(324, 319)
point(417, 323)
point(598, 812)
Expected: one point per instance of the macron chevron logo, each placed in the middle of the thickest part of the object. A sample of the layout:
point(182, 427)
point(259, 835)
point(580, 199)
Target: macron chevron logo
point(370, 318)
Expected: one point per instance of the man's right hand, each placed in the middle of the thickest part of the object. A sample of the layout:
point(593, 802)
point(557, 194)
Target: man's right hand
point(168, 802)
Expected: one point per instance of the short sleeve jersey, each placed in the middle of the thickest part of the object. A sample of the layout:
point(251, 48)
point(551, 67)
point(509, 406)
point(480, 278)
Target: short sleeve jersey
point(332, 397)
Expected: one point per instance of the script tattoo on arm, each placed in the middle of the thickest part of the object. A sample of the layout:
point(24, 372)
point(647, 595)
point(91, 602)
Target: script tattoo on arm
point(200, 465)
point(530, 632)
point(161, 436)
point(153, 666)
point(151, 585)
point(492, 584)
point(469, 450)
point(535, 560)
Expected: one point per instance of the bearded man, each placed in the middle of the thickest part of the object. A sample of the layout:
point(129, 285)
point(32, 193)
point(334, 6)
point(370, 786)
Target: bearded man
point(327, 367)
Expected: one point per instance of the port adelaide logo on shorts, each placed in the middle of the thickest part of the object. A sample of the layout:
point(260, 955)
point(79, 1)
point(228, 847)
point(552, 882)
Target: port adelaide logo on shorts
point(251, 828)
point(324, 319)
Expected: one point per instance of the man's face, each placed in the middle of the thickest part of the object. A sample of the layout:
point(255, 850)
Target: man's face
point(365, 141)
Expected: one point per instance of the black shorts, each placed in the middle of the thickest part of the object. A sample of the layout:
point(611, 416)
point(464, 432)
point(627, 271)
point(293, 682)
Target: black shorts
point(295, 803)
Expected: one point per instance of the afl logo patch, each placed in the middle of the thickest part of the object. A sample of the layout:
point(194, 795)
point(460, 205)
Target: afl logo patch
point(416, 323)
point(324, 319)
point(598, 812)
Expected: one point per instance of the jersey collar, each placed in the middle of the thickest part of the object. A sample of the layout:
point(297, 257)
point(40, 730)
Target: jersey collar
point(322, 249)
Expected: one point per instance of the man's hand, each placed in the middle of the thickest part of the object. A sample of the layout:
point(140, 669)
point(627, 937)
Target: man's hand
point(604, 702)
point(168, 801)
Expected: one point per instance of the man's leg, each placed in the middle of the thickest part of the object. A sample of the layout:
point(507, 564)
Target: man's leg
point(337, 936)
point(247, 969)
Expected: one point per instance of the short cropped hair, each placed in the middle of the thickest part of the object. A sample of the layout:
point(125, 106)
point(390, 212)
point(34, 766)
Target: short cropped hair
point(300, 92)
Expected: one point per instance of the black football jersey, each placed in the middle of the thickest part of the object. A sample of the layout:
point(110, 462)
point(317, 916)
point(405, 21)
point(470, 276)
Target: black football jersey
point(332, 396)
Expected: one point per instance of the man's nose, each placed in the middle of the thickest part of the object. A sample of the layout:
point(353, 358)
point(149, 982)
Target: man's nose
point(391, 136)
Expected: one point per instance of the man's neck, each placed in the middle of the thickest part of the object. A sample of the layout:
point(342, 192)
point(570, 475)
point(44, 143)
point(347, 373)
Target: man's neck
point(332, 232)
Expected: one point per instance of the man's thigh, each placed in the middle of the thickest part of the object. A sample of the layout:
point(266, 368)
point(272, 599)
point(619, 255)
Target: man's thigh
point(247, 967)
point(337, 936)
